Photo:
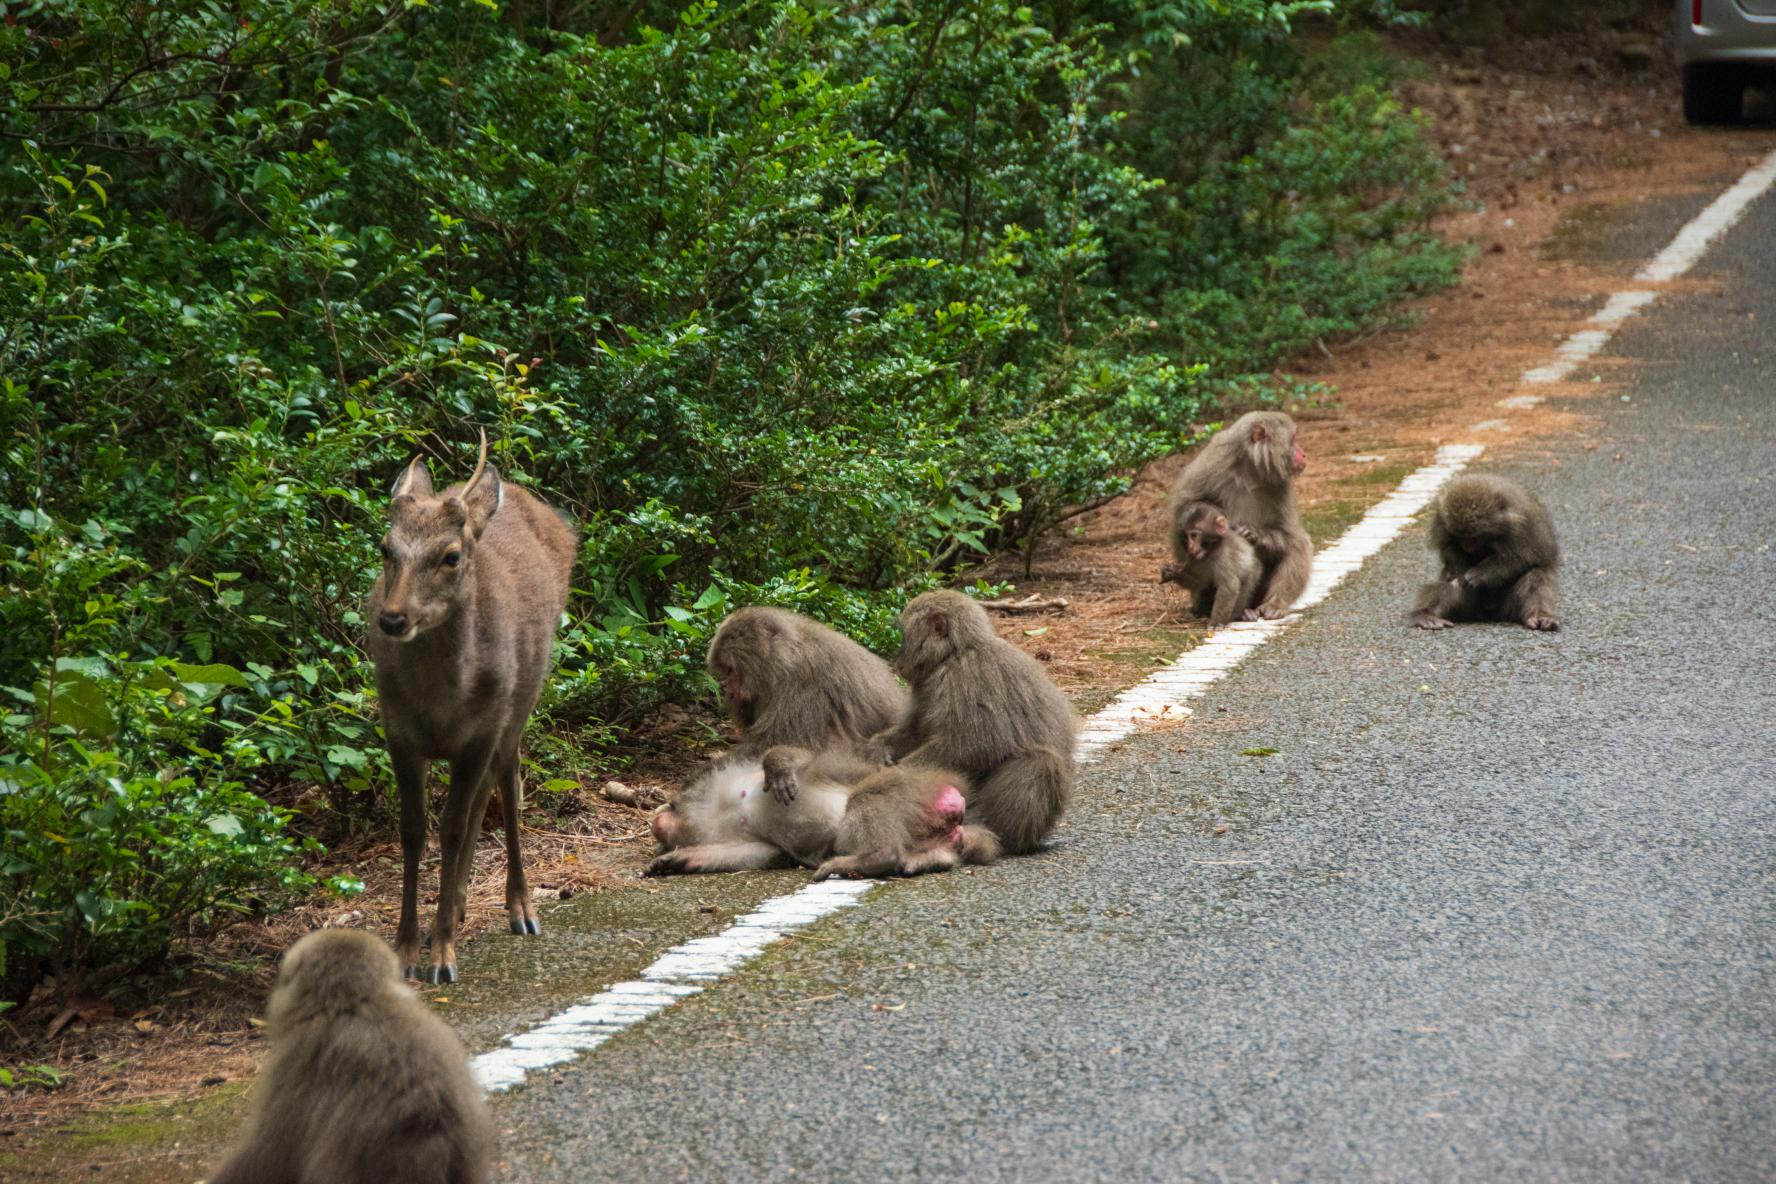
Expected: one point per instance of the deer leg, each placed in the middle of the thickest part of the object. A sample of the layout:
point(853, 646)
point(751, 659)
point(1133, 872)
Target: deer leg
point(464, 805)
point(410, 779)
point(520, 912)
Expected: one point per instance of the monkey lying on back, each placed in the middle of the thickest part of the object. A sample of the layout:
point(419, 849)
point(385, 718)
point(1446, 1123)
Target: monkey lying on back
point(364, 1084)
point(831, 811)
point(1216, 565)
point(985, 708)
point(1499, 557)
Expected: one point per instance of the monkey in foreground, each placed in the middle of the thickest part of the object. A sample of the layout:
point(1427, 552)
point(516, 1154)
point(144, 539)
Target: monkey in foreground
point(1249, 469)
point(1216, 565)
point(793, 806)
point(791, 680)
point(1499, 557)
point(364, 1085)
point(988, 710)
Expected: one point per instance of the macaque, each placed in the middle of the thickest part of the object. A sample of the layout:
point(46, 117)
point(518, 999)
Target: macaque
point(986, 709)
point(1499, 557)
point(1249, 470)
point(793, 806)
point(790, 680)
point(364, 1085)
point(1216, 565)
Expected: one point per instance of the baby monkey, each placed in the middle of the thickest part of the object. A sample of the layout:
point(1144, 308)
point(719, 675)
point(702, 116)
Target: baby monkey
point(1215, 564)
point(1499, 557)
point(364, 1084)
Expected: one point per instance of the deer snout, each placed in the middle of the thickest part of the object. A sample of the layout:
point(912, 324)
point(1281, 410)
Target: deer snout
point(393, 624)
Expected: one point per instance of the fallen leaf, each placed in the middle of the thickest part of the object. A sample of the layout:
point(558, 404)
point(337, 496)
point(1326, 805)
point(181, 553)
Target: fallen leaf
point(1258, 752)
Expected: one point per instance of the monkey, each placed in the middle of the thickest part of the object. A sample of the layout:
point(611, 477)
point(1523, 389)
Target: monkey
point(1249, 469)
point(898, 821)
point(986, 709)
point(1215, 564)
point(364, 1085)
point(1499, 555)
point(789, 680)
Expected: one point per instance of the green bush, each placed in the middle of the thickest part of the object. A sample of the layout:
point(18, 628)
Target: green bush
point(781, 301)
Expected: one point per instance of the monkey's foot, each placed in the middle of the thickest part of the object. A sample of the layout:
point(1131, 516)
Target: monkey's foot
point(1271, 612)
point(1542, 624)
point(844, 867)
point(673, 863)
point(1428, 621)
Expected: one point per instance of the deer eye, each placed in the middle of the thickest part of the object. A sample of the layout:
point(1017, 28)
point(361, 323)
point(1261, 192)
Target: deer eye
point(451, 558)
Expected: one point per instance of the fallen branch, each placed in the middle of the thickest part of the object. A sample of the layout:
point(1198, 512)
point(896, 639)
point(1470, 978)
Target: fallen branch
point(1026, 606)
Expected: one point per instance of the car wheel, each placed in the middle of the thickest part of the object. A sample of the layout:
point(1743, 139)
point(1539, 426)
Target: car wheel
point(1712, 93)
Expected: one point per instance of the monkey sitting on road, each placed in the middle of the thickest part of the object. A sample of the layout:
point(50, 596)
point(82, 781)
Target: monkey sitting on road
point(985, 708)
point(1248, 469)
point(364, 1085)
point(787, 679)
point(1499, 557)
point(1215, 564)
point(829, 810)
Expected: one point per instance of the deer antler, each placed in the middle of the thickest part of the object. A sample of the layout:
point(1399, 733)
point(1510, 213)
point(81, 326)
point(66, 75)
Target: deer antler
point(480, 466)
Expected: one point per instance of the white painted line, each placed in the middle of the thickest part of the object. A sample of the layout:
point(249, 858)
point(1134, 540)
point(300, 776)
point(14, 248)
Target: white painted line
point(683, 970)
point(1679, 256)
point(1694, 239)
point(678, 973)
point(1167, 693)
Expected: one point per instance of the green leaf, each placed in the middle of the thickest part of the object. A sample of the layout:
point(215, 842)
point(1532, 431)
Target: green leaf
point(1258, 752)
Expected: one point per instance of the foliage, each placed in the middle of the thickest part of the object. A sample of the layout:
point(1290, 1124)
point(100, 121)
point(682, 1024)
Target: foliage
point(782, 301)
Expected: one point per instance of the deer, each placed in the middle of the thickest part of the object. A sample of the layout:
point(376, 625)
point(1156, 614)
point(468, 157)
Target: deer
point(462, 627)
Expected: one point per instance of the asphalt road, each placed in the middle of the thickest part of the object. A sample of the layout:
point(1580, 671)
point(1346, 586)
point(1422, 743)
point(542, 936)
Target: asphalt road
point(1499, 907)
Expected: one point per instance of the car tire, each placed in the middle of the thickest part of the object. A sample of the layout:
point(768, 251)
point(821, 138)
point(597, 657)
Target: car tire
point(1712, 93)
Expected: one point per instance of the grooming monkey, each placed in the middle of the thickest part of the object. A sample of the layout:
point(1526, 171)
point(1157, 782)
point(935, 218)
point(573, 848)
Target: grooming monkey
point(986, 709)
point(364, 1085)
point(1248, 470)
point(1215, 564)
point(787, 679)
point(1499, 557)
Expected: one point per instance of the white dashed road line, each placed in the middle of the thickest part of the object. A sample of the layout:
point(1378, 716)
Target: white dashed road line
point(685, 969)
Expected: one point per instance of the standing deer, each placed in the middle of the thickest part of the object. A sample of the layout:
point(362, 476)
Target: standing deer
point(473, 582)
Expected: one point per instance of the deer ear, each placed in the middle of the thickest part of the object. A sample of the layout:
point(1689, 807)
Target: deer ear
point(481, 500)
point(414, 481)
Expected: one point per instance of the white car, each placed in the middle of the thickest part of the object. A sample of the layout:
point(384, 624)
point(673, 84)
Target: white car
point(1722, 45)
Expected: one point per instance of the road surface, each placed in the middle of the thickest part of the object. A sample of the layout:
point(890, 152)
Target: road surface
point(1500, 906)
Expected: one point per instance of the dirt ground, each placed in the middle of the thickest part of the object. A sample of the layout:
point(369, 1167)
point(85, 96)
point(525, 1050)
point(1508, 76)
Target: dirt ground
point(1545, 144)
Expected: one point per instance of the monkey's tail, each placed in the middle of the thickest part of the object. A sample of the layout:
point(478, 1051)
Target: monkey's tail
point(979, 845)
point(1023, 798)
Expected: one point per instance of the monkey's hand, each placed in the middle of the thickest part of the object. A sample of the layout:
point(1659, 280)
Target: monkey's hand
point(673, 863)
point(1245, 532)
point(879, 749)
point(1430, 621)
point(1543, 624)
point(780, 783)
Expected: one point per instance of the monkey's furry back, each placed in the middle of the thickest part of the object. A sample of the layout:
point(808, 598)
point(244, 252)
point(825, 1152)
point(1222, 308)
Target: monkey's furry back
point(364, 1085)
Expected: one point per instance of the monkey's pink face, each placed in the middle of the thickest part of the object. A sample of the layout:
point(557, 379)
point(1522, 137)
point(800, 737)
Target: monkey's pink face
point(668, 828)
point(1297, 457)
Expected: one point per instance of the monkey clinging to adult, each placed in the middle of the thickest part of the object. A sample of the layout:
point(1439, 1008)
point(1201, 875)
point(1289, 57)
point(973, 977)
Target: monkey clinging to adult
point(988, 710)
point(364, 1085)
point(791, 680)
point(1215, 564)
point(1248, 469)
point(1499, 557)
